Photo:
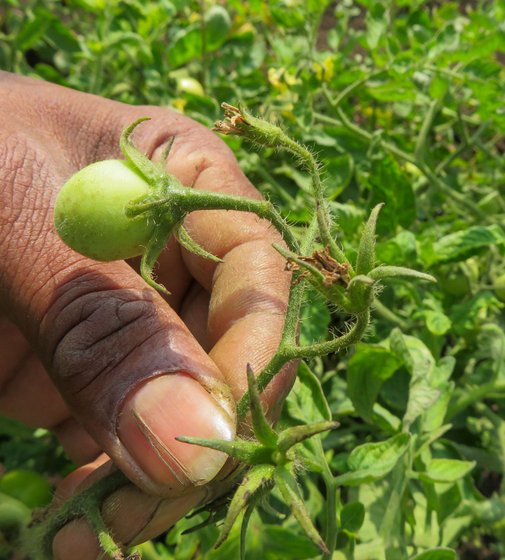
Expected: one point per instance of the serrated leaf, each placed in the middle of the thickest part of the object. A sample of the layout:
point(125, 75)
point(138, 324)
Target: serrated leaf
point(377, 19)
point(283, 542)
point(465, 243)
point(315, 318)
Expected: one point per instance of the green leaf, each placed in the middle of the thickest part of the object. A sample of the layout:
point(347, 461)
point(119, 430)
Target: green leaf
point(400, 250)
point(315, 318)
point(352, 517)
point(368, 368)
point(307, 401)
point(423, 389)
point(389, 185)
point(29, 487)
point(217, 27)
point(341, 170)
point(437, 322)
point(436, 554)
point(465, 243)
point(377, 19)
point(32, 30)
point(281, 542)
point(446, 470)
point(372, 461)
point(185, 46)
point(467, 316)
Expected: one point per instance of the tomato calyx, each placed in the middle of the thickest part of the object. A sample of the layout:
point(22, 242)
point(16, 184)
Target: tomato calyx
point(165, 205)
point(140, 207)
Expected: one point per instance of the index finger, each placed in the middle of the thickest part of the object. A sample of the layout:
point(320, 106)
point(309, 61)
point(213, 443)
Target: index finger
point(249, 290)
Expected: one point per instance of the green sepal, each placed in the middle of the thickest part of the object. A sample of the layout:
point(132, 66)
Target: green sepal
point(257, 479)
point(262, 429)
point(360, 293)
point(166, 153)
point(291, 493)
point(151, 172)
point(387, 271)
point(153, 250)
point(249, 452)
point(192, 246)
point(251, 506)
point(297, 434)
point(366, 251)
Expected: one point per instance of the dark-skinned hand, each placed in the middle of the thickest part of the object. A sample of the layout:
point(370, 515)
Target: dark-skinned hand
point(91, 352)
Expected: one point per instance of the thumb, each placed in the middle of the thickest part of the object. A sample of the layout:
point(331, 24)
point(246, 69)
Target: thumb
point(134, 376)
point(124, 362)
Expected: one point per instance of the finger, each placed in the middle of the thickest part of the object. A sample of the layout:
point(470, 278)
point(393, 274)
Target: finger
point(131, 516)
point(28, 395)
point(25, 387)
point(125, 363)
point(249, 290)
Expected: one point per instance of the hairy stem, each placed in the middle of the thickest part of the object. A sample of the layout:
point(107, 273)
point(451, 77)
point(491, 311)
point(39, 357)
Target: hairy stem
point(334, 345)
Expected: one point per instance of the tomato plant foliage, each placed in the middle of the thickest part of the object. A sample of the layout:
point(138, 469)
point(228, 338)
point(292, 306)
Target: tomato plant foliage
point(402, 101)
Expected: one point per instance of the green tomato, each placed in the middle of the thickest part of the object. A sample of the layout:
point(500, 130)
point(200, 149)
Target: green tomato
point(456, 285)
point(13, 513)
point(89, 212)
point(190, 85)
point(29, 487)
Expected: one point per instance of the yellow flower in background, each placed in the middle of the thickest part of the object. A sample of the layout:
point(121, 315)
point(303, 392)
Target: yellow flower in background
point(324, 70)
point(179, 104)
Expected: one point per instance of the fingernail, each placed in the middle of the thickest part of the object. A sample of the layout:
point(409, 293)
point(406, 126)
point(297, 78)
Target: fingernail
point(163, 409)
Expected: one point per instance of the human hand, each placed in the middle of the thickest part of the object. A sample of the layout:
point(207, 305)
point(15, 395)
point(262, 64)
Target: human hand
point(128, 371)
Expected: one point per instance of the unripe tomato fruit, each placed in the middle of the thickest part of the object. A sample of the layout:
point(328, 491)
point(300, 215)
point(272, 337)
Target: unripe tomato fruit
point(13, 513)
point(89, 212)
point(190, 85)
point(26, 486)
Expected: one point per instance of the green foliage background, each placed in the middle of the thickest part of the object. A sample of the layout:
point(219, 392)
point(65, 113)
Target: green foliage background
point(402, 101)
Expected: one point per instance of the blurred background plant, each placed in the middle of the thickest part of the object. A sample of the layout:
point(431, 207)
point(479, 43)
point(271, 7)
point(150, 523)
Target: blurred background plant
point(402, 101)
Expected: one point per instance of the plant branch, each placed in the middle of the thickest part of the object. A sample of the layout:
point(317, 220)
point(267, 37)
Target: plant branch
point(334, 345)
point(440, 185)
